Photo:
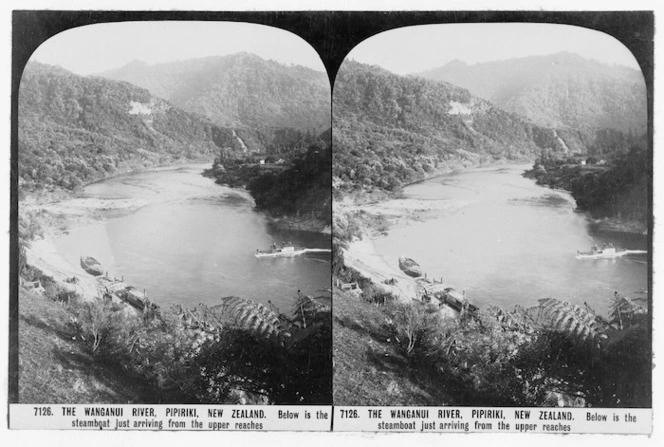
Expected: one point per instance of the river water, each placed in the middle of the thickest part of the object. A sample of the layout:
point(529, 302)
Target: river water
point(194, 242)
point(506, 241)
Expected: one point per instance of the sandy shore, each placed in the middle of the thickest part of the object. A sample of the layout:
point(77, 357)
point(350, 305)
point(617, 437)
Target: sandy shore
point(57, 218)
point(362, 256)
point(43, 255)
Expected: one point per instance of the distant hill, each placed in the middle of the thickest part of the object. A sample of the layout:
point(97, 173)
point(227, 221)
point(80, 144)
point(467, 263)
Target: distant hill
point(74, 130)
point(391, 130)
point(239, 90)
point(562, 91)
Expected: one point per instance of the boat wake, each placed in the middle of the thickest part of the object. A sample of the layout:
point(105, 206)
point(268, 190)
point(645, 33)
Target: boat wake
point(608, 253)
point(290, 253)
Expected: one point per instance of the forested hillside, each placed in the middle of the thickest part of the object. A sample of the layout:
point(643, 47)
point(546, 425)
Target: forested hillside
point(391, 130)
point(562, 91)
point(239, 90)
point(618, 189)
point(74, 130)
point(303, 190)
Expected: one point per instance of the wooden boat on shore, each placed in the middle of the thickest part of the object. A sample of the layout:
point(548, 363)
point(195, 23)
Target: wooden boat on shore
point(91, 265)
point(410, 267)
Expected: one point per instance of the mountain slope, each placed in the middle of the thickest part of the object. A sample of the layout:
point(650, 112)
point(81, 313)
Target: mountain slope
point(74, 130)
point(239, 90)
point(390, 130)
point(560, 91)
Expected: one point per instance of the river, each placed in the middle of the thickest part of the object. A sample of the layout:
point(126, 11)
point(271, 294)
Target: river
point(507, 241)
point(194, 242)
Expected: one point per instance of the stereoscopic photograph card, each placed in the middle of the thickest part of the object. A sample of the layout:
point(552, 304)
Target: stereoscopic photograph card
point(388, 222)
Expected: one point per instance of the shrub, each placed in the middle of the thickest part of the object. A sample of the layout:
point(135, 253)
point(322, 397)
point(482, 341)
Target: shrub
point(412, 326)
point(100, 322)
point(287, 362)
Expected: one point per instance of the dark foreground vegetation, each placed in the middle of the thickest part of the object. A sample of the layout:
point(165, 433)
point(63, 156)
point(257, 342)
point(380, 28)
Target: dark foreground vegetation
point(555, 354)
point(56, 366)
point(235, 352)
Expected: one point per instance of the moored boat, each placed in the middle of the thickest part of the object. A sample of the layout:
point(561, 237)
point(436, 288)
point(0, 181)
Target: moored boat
point(91, 265)
point(410, 267)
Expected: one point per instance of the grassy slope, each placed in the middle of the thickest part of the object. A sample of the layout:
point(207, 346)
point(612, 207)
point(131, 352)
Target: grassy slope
point(368, 370)
point(55, 367)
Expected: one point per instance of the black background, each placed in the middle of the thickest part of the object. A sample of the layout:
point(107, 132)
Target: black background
point(333, 34)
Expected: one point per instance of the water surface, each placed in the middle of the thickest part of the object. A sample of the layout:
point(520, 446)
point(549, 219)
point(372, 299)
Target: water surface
point(513, 242)
point(194, 242)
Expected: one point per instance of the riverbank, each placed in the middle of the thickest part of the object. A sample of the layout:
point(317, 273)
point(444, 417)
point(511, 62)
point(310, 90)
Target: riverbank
point(56, 217)
point(373, 219)
point(362, 257)
point(293, 223)
point(618, 225)
point(614, 195)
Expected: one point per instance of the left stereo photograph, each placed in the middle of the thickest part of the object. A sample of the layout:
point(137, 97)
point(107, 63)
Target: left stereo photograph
point(173, 220)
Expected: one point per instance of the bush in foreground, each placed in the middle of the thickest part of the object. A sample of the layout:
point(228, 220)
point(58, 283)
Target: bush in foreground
point(555, 353)
point(221, 354)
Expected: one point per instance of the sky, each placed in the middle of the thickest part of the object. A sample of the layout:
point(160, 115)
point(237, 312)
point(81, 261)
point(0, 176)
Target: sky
point(96, 48)
point(418, 48)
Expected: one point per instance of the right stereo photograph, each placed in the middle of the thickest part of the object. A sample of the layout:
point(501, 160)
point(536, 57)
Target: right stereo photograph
point(492, 210)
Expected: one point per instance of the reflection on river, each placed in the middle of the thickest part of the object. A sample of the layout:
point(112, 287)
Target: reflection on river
point(513, 242)
point(194, 242)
